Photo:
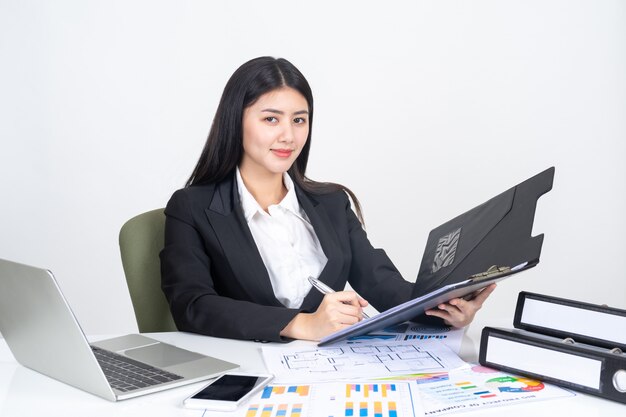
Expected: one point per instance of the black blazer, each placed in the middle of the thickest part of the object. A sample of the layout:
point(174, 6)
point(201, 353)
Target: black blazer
point(216, 282)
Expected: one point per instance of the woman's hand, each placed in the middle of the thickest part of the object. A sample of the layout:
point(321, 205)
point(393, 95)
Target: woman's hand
point(459, 312)
point(337, 311)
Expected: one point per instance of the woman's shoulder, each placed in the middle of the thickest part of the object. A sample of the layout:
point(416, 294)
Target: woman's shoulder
point(334, 197)
point(192, 196)
point(194, 192)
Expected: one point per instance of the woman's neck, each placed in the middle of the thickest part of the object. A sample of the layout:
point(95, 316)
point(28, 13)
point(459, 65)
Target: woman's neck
point(267, 189)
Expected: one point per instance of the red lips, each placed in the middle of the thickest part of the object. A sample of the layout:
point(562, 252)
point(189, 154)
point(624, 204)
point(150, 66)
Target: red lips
point(282, 153)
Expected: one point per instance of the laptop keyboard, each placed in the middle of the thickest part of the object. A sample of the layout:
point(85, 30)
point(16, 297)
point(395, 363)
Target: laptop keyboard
point(125, 374)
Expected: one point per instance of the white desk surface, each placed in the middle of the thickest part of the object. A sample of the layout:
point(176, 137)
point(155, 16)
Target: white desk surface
point(26, 393)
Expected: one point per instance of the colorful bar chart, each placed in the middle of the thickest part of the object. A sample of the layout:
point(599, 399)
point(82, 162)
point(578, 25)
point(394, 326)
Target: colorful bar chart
point(370, 400)
point(367, 390)
point(267, 410)
point(252, 410)
point(296, 410)
point(349, 409)
point(280, 401)
point(301, 390)
point(282, 410)
point(363, 409)
point(378, 409)
point(392, 409)
point(424, 337)
point(367, 399)
point(273, 410)
point(470, 386)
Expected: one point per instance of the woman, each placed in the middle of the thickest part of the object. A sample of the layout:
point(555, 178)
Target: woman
point(249, 228)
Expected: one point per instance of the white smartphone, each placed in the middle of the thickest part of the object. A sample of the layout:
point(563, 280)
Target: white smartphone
point(228, 391)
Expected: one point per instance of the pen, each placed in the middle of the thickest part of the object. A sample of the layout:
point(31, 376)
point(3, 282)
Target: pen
point(325, 289)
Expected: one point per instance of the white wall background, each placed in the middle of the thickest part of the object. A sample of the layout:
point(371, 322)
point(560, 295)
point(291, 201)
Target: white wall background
point(424, 108)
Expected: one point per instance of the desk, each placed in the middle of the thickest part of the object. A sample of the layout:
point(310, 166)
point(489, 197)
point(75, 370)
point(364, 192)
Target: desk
point(25, 393)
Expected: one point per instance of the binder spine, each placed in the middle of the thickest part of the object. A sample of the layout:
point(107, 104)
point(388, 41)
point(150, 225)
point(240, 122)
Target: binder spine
point(562, 318)
point(589, 369)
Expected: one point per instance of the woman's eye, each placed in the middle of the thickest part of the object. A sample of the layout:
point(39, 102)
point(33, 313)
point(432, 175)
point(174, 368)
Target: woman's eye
point(299, 120)
point(271, 119)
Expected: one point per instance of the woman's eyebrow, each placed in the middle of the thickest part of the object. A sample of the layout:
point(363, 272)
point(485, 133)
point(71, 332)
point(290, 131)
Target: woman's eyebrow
point(282, 112)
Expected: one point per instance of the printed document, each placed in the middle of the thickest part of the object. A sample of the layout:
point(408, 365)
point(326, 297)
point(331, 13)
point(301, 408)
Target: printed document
point(476, 387)
point(407, 331)
point(363, 398)
point(305, 361)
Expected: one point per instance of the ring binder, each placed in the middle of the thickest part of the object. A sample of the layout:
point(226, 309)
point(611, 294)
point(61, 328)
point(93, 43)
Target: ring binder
point(588, 323)
point(591, 369)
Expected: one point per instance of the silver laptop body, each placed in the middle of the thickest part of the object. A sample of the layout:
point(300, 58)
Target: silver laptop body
point(43, 334)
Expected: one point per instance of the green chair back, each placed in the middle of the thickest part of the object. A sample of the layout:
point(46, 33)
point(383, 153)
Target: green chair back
point(141, 240)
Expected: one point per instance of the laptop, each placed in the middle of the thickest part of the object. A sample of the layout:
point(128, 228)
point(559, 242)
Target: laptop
point(484, 245)
point(44, 335)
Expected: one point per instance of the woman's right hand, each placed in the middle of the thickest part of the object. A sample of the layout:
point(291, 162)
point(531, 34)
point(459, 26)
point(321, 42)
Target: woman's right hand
point(337, 311)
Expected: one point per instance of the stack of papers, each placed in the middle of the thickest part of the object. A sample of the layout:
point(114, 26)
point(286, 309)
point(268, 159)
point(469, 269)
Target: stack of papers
point(404, 371)
point(362, 398)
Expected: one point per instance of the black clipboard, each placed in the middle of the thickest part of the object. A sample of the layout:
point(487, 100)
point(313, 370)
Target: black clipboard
point(497, 232)
point(419, 305)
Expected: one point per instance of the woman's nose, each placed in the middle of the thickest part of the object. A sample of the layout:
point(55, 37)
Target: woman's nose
point(286, 134)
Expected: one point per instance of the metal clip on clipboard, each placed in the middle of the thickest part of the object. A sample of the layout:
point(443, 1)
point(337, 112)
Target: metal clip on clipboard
point(493, 271)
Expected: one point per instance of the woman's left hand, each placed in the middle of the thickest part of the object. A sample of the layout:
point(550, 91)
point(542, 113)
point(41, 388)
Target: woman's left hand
point(459, 312)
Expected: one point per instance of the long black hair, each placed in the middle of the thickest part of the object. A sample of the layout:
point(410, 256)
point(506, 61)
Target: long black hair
point(223, 149)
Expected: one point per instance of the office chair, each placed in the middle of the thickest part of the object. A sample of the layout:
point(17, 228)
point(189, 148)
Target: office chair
point(141, 240)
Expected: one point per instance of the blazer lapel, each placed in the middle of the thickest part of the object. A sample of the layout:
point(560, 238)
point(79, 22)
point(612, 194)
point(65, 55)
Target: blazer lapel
point(331, 274)
point(227, 219)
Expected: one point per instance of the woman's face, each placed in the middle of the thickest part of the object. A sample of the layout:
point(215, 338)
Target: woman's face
point(275, 128)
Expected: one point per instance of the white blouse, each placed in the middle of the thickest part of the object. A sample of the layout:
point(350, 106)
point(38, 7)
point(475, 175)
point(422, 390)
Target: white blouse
point(286, 241)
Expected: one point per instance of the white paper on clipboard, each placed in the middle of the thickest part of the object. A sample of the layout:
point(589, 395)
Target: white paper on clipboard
point(417, 306)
